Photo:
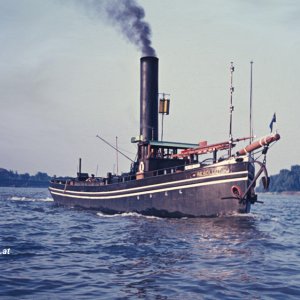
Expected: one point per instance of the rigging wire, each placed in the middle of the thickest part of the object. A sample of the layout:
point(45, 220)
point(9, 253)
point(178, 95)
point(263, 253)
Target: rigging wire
point(106, 142)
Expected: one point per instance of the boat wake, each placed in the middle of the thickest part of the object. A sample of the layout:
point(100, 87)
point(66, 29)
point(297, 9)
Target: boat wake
point(127, 214)
point(17, 198)
point(243, 215)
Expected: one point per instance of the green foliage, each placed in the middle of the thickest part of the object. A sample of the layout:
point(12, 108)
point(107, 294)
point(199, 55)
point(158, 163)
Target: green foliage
point(41, 176)
point(12, 178)
point(285, 181)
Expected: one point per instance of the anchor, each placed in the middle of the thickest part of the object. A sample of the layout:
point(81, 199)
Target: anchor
point(265, 181)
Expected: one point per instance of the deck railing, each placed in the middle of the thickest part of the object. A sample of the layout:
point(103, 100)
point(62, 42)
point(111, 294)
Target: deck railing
point(124, 177)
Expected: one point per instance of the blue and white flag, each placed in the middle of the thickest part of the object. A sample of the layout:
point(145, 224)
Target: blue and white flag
point(272, 121)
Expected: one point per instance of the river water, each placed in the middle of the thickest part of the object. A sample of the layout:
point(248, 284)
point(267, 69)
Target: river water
point(50, 252)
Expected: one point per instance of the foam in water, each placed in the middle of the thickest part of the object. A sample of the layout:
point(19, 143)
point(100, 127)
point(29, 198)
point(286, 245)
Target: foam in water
point(16, 198)
point(126, 214)
point(245, 215)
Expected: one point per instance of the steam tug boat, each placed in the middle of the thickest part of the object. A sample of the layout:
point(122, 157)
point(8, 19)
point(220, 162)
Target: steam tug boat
point(169, 179)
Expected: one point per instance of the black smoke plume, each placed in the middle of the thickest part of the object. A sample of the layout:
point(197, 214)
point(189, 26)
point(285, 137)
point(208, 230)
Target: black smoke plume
point(128, 16)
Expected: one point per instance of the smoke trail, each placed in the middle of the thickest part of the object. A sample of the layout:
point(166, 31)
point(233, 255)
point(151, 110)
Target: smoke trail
point(129, 17)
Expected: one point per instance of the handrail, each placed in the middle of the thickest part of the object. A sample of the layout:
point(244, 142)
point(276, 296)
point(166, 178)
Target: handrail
point(122, 178)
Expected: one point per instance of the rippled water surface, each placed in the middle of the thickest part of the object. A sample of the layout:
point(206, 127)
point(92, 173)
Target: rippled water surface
point(50, 252)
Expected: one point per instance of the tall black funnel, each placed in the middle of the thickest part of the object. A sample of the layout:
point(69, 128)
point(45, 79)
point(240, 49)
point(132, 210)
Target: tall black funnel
point(149, 98)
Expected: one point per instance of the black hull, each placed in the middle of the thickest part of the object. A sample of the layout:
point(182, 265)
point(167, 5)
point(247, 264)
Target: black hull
point(198, 192)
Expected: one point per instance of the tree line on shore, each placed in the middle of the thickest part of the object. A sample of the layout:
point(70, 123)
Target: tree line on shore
point(13, 178)
point(285, 181)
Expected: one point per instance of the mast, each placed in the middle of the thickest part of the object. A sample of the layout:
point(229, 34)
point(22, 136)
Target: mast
point(162, 121)
point(251, 108)
point(117, 156)
point(231, 108)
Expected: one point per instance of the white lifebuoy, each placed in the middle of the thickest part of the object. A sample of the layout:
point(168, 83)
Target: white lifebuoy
point(141, 166)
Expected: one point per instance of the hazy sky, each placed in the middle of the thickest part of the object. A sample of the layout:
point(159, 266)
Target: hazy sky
point(67, 75)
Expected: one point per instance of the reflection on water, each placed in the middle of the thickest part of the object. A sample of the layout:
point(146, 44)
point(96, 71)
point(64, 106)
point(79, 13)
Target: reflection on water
point(198, 250)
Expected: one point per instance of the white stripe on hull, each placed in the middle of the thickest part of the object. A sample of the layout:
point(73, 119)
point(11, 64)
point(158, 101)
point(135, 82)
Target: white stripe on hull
point(52, 190)
point(150, 186)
